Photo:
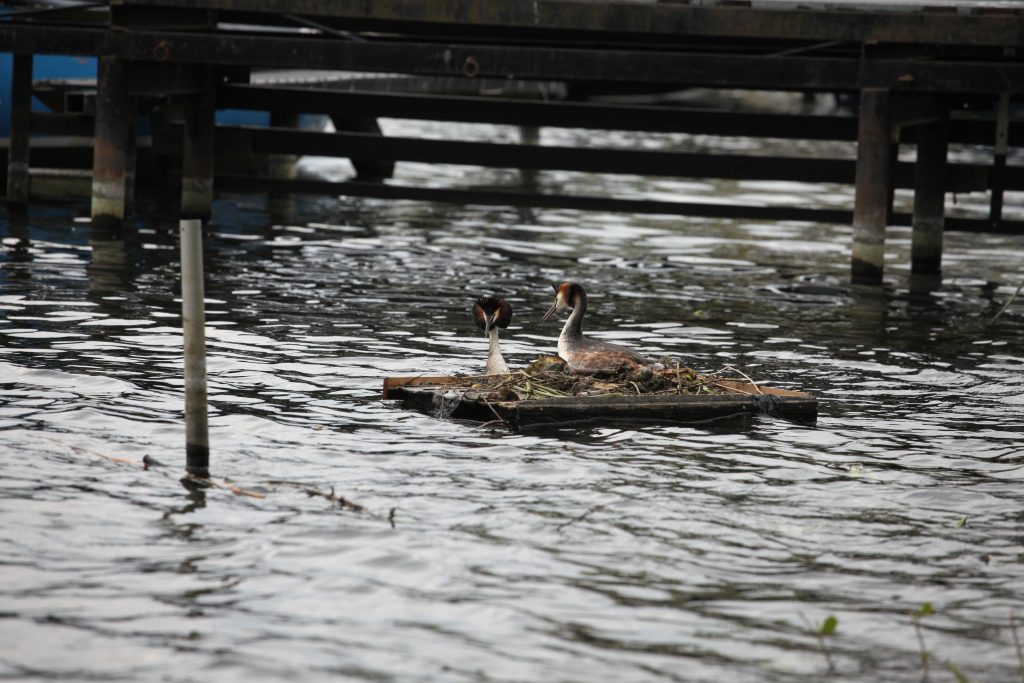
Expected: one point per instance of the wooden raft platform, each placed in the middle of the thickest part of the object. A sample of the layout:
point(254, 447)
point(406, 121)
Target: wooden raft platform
point(438, 396)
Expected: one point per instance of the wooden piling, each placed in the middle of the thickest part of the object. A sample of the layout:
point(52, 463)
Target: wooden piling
point(197, 155)
point(193, 320)
point(871, 199)
point(998, 173)
point(930, 196)
point(131, 147)
point(115, 116)
point(18, 181)
point(283, 165)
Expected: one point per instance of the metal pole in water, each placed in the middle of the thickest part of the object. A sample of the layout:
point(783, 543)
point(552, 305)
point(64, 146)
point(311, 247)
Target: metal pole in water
point(193, 319)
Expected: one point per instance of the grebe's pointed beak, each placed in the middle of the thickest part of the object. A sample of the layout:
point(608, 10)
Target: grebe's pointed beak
point(551, 311)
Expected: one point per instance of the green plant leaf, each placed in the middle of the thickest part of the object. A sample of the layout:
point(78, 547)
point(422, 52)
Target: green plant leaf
point(960, 676)
point(828, 627)
point(960, 523)
point(925, 610)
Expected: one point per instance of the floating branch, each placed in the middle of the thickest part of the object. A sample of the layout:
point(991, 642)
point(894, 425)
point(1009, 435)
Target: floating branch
point(342, 502)
point(1007, 304)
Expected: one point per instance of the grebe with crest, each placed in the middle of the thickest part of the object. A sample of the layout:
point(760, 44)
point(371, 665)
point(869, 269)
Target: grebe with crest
point(493, 314)
point(579, 351)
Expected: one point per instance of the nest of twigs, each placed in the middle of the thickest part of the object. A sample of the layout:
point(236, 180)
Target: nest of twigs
point(549, 377)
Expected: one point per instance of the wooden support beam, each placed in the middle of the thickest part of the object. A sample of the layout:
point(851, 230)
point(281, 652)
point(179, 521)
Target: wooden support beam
point(929, 197)
point(18, 181)
point(511, 197)
point(198, 155)
point(997, 178)
point(115, 115)
point(871, 198)
point(653, 21)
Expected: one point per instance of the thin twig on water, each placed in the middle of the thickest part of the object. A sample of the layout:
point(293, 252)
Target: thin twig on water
point(579, 518)
point(744, 376)
point(220, 484)
point(920, 642)
point(88, 451)
point(821, 642)
point(1007, 304)
point(487, 403)
point(340, 500)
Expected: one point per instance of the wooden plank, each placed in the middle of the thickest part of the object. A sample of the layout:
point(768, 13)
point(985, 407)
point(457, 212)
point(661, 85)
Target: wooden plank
point(428, 395)
point(496, 61)
point(507, 155)
point(506, 110)
point(678, 69)
point(512, 197)
point(802, 23)
point(962, 177)
point(391, 383)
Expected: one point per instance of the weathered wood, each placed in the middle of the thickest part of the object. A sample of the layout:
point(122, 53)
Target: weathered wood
point(427, 394)
point(510, 197)
point(998, 178)
point(115, 115)
point(610, 116)
point(929, 198)
point(198, 155)
point(18, 178)
point(871, 199)
point(611, 66)
point(827, 23)
point(511, 155)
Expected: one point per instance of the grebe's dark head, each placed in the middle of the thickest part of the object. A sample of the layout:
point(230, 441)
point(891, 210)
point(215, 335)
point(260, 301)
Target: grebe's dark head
point(491, 311)
point(567, 295)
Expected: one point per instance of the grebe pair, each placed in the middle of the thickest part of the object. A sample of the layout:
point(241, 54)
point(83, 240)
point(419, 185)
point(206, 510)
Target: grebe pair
point(580, 352)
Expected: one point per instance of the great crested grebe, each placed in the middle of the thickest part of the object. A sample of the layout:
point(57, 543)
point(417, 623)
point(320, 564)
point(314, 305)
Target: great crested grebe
point(492, 314)
point(580, 352)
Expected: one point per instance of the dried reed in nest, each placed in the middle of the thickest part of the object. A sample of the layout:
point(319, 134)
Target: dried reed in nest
point(549, 377)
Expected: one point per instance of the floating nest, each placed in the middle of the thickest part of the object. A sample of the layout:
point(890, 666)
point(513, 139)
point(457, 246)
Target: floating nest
point(550, 377)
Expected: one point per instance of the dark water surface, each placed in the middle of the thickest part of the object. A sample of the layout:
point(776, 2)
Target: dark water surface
point(690, 553)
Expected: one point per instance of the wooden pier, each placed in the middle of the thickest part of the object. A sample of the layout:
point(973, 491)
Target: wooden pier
point(934, 74)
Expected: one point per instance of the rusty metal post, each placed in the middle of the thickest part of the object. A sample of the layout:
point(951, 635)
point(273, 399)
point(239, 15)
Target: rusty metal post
point(193, 323)
point(18, 181)
point(930, 196)
point(114, 122)
point(197, 155)
point(871, 200)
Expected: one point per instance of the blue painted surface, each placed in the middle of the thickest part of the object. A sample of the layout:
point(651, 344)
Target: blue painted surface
point(59, 67)
point(43, 67)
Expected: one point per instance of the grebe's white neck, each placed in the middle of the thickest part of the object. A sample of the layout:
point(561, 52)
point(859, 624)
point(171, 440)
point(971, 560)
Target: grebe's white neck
point(495, 362)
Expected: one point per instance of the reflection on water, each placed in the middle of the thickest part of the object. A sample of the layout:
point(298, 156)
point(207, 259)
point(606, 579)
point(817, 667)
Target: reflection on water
point(635, 552)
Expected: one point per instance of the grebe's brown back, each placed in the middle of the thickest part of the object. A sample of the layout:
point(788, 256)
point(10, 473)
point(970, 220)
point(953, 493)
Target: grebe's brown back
point(579, 351)
point(491, 315)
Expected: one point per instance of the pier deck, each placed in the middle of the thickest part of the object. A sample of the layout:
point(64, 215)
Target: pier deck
point(931, 74)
